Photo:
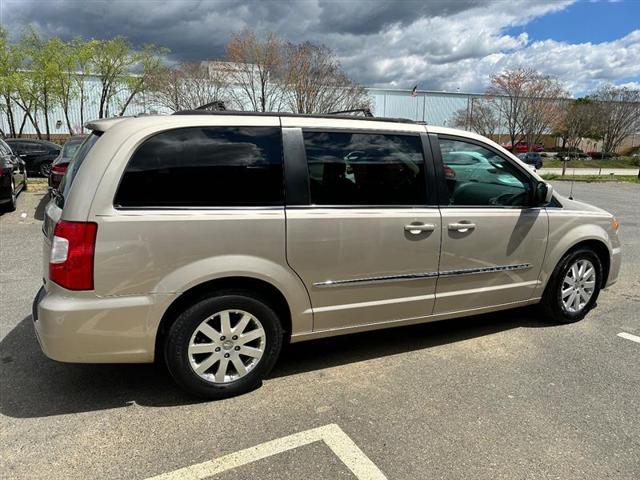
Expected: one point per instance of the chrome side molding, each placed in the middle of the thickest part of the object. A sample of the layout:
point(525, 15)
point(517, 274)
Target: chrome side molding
point(423, 275)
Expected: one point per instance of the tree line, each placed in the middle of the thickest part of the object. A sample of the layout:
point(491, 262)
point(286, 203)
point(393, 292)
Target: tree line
point(260, 73)
point(527, 105)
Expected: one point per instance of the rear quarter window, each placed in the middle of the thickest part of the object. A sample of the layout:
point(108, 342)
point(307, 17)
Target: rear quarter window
point(76, 162)
point(205, 167)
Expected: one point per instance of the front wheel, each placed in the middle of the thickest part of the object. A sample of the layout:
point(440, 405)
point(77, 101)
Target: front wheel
point(574, 286)
point(223, 345)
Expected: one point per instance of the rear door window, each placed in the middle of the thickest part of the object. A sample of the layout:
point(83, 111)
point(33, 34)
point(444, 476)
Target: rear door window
point(205, 167)
point(361, 168)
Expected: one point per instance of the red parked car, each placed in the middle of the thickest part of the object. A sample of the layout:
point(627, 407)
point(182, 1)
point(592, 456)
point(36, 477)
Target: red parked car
point(523, 147)
point(61, 163)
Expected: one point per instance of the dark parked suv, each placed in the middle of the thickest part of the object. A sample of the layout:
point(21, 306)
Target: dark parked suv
point(37, 154)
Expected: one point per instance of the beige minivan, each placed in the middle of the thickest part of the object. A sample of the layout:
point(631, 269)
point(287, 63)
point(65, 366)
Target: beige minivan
point(208, 239)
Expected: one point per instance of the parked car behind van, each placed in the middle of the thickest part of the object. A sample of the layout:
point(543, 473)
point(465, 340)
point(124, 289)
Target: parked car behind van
point(531, 158)
point(61, 163)
point(38, 155)
point(13, 177)
point(207, 240)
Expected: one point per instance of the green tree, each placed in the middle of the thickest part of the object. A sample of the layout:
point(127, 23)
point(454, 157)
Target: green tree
point(149, 62)
point(42, 69)
point(111, 62)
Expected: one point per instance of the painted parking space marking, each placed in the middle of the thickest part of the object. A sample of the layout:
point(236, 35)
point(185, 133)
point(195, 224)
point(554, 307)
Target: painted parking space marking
point(332, 435)
point(628, 336)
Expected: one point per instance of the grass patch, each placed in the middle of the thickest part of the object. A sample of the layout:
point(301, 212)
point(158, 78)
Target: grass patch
point(38, 185)
point(592, 178)
point(618, 162)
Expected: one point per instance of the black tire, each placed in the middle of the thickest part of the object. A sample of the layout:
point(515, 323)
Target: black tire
point(552, 304)
point(179, 335)
point(12, 204)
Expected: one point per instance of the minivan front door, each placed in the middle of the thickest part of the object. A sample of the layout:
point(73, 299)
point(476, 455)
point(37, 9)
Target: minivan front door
point(493, 242)
point(365, 242)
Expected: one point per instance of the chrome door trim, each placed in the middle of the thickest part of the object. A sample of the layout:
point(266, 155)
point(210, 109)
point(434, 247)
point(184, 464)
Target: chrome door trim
point(423, 275)
point(368, 280)
point(496, 268)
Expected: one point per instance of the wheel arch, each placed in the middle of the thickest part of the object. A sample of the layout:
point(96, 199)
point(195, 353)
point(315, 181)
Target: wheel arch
point(262, 289)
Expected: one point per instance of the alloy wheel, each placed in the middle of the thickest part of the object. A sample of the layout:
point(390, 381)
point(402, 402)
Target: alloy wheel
point(226, 346)
point(578, 286)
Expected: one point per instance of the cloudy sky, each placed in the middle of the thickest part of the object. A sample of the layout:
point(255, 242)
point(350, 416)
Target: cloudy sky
point(439, 44)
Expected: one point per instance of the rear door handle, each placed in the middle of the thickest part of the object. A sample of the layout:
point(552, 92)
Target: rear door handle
point(462, 227)
point(418, 228)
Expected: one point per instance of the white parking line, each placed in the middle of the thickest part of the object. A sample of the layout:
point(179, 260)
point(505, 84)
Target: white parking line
point(338, 441)
point(628, 336)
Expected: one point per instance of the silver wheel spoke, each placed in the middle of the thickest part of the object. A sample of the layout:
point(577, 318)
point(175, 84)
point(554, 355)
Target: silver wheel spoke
point(242, 324)
point(225, 323)
point(571, 299)
point(250, 352)
point(201, 348)
point(569, 281)
point(209, 331)
point(585, 296)
point(222, 369)
point(566, 292)
point(252, 335)
point(574, 272)
point(206, 364)
point(590, 284)
point(239, 366)
point(576, 302)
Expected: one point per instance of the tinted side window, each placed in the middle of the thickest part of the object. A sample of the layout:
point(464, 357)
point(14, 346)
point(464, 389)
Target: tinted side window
point(488, 180)
point(351, 168)
point(205, 166)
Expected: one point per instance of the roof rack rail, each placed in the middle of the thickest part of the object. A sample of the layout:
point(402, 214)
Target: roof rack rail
point(343, 116)
point(365, 111)
point(217, 106)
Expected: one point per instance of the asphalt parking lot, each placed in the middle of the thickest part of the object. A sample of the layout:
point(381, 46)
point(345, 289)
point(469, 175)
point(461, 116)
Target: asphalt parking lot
point(500, 396)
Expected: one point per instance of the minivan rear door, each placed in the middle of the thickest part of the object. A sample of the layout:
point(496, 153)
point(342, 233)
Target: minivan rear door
point(363, 232)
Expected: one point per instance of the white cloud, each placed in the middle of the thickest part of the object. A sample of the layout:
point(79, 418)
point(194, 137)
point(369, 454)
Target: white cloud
point(442, 44)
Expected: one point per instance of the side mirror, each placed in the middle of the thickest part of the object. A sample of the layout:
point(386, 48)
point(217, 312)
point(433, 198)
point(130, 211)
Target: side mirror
point(543, 194)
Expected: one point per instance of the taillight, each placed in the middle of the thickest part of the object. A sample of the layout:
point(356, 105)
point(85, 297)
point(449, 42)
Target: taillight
point(60, 169)
point(72, 249)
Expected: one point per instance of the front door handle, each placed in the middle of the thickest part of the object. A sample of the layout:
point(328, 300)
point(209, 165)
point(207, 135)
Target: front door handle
point(462, 227)
point(418, 228)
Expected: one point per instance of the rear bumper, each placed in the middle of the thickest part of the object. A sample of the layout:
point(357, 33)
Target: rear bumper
point(90, 329)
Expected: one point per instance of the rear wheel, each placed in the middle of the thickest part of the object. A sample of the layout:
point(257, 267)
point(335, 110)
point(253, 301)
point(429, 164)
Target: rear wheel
point(13, 201)
point(574, 286)
point(223, 345)
point(45, 169)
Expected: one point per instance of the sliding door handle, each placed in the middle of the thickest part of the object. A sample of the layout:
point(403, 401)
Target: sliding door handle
point(462, 226)
point(418, 228)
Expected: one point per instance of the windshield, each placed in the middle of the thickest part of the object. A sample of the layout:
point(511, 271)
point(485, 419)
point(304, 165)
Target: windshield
point(74, 165)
